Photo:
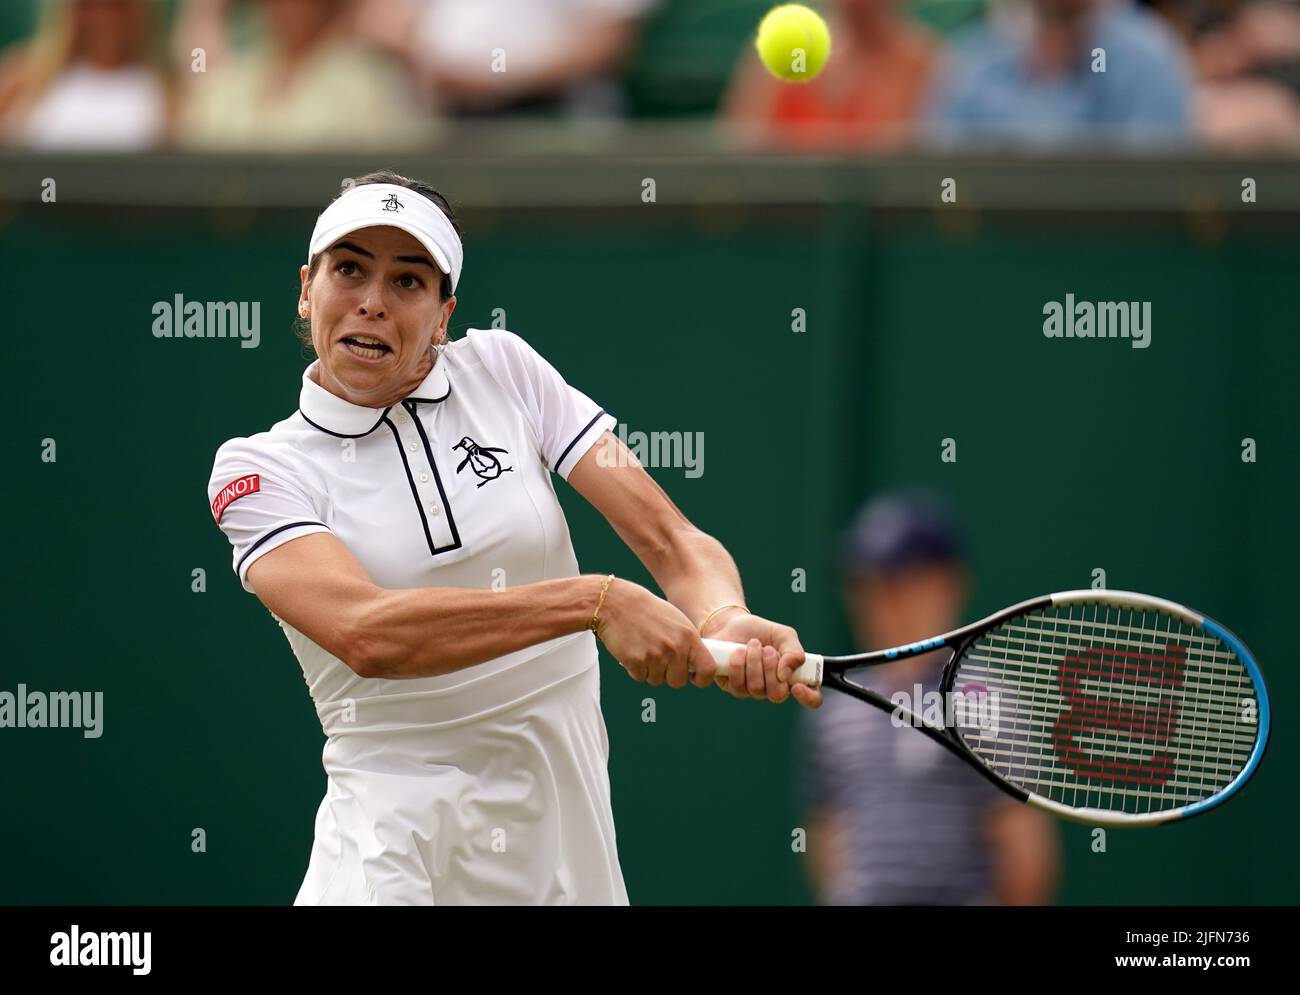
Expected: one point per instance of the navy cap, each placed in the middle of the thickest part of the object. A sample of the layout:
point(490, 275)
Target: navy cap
point(893, 531)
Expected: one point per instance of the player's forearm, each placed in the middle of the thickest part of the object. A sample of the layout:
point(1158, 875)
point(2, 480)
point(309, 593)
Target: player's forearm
point(696, 573)
point(425, 632)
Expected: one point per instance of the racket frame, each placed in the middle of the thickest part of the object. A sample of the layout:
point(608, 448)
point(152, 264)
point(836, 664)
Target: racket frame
point(958, 641)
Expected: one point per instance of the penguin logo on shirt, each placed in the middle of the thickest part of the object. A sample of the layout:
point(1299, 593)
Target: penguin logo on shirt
point(391, 203)
point(481, 460)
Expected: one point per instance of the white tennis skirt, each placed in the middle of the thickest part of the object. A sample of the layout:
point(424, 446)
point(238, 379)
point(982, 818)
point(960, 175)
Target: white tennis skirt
point(493, 792)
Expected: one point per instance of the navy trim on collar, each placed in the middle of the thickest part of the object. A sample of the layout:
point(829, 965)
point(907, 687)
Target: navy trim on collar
point(341, 435)
point(333, 415)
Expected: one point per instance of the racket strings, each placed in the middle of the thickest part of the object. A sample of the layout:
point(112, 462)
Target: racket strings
point(1100, 706)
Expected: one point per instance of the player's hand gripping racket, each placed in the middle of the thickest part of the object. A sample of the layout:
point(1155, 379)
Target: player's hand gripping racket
point(1104, 707)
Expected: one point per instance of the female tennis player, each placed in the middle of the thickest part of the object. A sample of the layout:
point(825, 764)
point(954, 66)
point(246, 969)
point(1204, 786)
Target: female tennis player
point(402, 528)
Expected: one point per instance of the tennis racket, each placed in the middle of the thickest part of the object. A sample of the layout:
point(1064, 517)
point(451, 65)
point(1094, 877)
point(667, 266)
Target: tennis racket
point(1103, 707)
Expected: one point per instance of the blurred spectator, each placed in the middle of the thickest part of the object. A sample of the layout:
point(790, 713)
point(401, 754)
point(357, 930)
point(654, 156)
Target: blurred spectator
point(892, 817)
point(511, 56)
point(1247, 59)
point(92, 77)
point(1035, 76)
point(865, 97)
point(299, 83)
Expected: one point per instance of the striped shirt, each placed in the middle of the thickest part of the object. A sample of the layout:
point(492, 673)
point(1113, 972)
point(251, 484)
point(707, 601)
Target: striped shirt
point(913, 815)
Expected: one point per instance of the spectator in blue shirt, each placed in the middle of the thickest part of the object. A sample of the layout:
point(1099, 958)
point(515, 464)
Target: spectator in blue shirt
point(892, 817)
point(1054, 72)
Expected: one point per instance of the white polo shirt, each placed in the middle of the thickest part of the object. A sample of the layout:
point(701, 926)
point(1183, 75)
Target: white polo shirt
point(489, 784)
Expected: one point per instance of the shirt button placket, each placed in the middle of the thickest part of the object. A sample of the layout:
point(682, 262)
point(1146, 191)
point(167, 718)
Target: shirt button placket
point(427, 486)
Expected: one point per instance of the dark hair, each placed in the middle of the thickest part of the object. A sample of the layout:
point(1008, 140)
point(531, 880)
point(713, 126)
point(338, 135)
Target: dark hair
point(302, 326)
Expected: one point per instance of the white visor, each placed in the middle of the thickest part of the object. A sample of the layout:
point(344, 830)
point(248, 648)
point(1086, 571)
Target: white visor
point(398, 207)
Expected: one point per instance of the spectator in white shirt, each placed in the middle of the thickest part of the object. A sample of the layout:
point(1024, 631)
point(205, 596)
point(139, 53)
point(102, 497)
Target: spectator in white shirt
point(90, 78)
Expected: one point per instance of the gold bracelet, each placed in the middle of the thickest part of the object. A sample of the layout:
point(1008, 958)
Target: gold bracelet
point(716, 610)
point(594, 624)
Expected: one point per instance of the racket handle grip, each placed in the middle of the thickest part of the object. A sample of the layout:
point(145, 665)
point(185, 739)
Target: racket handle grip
point(810, 673)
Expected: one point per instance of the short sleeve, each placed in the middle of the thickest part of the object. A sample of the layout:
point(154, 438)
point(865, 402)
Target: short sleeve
point(258, 501)
point(565, 421)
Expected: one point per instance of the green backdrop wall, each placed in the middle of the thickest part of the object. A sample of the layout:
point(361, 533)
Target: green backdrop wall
point(1072, 455)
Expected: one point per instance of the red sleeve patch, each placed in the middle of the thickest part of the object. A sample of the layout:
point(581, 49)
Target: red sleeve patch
point(233, 491)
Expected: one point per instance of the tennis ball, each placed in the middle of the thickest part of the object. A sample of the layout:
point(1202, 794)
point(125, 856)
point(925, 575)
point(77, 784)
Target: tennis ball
point(793, 42)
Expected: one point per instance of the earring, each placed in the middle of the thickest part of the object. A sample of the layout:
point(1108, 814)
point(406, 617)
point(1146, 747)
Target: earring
point(303, 309)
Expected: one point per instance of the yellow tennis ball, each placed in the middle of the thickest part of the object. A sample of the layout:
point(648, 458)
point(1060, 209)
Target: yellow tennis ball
point(793, 42)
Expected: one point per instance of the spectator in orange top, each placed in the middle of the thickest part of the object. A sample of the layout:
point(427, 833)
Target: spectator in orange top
point(866, 96)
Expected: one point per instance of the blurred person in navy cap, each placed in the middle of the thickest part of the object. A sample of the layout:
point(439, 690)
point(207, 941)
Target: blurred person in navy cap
point(892, 817)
